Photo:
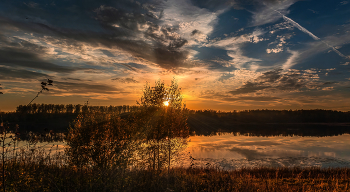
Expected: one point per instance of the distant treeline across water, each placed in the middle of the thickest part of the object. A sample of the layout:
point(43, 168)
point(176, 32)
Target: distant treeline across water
point(318, 122)
point(264, 115)
point(70, 108)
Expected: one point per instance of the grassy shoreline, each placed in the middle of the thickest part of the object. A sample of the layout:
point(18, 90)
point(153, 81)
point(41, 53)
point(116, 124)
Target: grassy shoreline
point(39, 176)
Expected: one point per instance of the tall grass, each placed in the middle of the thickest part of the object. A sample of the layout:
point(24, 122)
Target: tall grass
point(33, 168)
point(40, 171)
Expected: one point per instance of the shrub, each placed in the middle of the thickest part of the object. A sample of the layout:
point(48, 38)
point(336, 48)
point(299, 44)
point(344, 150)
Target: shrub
point(100, 139)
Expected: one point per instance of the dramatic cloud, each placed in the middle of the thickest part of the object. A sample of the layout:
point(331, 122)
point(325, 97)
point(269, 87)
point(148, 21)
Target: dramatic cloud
point(193, 23)
point(251, 98)
point(125, 80)
point(84, 88)
point(21, 58)
point(134, 32)
point(277, 80)
point(233, 46)
point(8, 74)
point(226, 54)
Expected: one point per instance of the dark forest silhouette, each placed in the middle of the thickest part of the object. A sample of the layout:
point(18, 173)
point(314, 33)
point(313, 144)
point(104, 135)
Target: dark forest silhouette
point(318, 122)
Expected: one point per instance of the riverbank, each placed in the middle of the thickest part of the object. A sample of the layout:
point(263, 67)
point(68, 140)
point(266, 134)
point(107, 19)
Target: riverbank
point(39, 176)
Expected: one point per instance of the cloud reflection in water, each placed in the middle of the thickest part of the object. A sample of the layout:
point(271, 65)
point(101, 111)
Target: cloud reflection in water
point(229, 151)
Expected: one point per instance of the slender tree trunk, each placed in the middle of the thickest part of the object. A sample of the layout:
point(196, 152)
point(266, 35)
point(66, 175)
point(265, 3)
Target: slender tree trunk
point(169, 154)
point(35, 96)
point(158, 146)
point(154, 159)
point(169, 144)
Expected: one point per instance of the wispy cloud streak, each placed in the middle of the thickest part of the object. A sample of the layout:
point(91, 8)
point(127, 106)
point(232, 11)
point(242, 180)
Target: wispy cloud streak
point(295, 24)
point(335, 50)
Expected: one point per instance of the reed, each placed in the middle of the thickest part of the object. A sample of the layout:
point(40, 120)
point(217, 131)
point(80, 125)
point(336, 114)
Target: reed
point(41, 171)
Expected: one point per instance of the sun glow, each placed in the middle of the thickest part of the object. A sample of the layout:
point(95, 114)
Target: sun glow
point(166, 103)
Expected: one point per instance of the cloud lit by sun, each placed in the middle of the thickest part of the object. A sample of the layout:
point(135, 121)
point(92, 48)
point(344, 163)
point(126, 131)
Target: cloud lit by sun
point(268, 60)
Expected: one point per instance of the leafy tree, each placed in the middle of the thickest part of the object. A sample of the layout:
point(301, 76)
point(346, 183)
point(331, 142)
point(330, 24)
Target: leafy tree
point(160, 122)
point(69, 108)
point(77, 108)
point(157, 95)
point(104, 139)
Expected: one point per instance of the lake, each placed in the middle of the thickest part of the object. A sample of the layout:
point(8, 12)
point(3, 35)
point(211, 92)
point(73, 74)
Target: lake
point(233, 150)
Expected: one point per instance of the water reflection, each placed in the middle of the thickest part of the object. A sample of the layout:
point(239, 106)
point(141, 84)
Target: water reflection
point(230, 150)
point(235, 150)
point(45, 145)
point(271, 129)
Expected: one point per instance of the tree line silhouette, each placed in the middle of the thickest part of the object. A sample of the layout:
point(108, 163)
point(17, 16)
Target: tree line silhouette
point(277, 116)
point(316, 122)
point(57, 117)
point(70, 108)
point(37, 117)
point(245, 116)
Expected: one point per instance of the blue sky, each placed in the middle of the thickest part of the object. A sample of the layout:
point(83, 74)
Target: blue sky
point(226, 55)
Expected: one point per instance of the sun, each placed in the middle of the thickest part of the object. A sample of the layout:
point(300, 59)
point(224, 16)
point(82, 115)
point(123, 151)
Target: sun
point(166, 103)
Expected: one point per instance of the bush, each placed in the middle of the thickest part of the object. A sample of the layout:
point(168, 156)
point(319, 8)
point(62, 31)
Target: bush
point(100, 139)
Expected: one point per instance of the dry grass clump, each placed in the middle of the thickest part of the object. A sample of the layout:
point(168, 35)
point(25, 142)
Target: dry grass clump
point(262, 179)
point(45, 173)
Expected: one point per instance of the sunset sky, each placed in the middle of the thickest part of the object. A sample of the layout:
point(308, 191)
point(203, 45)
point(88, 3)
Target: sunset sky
point(226, 55)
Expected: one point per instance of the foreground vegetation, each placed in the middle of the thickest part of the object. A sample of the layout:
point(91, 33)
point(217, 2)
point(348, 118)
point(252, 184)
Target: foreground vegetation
point(41, 176)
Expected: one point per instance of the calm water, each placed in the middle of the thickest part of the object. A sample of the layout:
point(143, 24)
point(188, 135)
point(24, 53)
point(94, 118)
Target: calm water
point(231, 151)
